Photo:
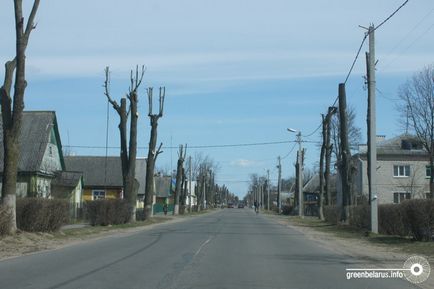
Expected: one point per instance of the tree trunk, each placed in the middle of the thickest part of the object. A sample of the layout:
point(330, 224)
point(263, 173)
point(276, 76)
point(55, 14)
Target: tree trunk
point(321, 170)
point(10, 179)
point(12, 111)
point(178, 186)
point(150, 167)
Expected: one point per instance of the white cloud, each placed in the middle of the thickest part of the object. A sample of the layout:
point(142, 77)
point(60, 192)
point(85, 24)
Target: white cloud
point(244, 163)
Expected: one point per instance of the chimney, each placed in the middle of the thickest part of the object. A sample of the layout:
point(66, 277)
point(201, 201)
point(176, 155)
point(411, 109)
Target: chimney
point(381, 138)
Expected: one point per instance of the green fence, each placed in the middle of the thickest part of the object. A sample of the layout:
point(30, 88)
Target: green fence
point(158, 209)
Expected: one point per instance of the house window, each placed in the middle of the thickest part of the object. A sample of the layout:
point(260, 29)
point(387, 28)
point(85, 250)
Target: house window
point(98, 195)
point(401, 171)
point(399, 197)
point(428, 172)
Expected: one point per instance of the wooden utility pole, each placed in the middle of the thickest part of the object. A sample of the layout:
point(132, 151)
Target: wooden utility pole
point(372, 131)
point(152, 151)
point(279, 184)
point(346, 154)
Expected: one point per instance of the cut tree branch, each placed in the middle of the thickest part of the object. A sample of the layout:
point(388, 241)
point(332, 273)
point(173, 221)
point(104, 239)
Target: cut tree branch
point(30, 26)
point(107, 90)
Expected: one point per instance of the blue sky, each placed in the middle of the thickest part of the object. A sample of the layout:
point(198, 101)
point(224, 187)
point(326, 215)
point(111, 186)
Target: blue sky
point(235, 71)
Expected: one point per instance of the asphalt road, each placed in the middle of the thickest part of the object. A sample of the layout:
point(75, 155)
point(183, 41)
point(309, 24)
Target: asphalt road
point(231, 248)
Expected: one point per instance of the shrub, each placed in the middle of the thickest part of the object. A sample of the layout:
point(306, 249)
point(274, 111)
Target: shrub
point(286, 210)
point(360, 216)
point(391, 220)
point(419, 216)
point(140, 214)
point(41, 215)
point(331, 214)
point(108, 212)
point(5, 219)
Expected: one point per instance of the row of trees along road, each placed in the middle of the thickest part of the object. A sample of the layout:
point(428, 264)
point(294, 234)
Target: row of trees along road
point(129, 113)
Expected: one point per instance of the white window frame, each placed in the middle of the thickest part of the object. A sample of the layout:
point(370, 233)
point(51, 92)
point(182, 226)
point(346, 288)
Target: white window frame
point(400, 199)
point(401, 171)
point(101, 195)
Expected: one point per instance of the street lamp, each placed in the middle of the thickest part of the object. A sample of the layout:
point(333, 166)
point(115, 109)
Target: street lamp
point(300, 174)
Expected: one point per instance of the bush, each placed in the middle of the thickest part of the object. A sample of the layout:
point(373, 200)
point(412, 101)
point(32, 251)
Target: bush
point(108, 212)
point(331, 214)
point(419, 217)
point(140, 214)
point(391, 220)
point(287, 210)
point(360, 216)
point(5, 219)
point(41, 215)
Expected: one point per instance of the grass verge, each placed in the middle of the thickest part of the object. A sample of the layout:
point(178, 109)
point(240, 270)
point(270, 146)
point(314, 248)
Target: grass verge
point(402, 244)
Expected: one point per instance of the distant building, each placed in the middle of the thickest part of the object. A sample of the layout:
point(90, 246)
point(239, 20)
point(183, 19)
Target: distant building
point(102, 176)
point(403, 170)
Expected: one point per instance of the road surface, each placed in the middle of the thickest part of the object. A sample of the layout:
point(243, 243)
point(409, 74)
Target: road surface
point(230, 248)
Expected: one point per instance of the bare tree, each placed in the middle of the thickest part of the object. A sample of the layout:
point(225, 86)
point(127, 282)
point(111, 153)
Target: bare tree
point(324, 173)
point(203, 168)
point(354, 133)
point(179, 177)
point(153, 152)
point(128, 154)
point(417, 106)
point(12, 110)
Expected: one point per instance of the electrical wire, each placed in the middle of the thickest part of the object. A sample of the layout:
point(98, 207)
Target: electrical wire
point(354, 61)
point(358, 54)
point(391, 15)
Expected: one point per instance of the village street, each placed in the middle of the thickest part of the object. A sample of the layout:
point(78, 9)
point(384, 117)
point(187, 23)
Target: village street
point(230, 248)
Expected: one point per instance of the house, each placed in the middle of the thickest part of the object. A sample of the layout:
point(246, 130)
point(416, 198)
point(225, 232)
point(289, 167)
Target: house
point(69, 185)
point(41, 166)
point(102, 176)
point(402, 170)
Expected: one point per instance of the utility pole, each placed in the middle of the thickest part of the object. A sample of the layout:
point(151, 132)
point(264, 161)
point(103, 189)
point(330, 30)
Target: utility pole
point(189, 182)
point(268, 190)
point(300, 177)
point(279, 184)
point(346, 154)
point(372, 134)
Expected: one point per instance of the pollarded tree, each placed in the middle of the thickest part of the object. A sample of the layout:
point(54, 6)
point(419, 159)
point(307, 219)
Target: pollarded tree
point(153, 152)
point(179, 177)
point(128, 153)
point(417, 106)
point(12, 108)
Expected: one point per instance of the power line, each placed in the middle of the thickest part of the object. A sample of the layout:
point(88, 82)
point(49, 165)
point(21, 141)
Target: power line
point(391, 15)
point(290, 151)
point(195, 146)
point(354, 61)
point(408, 34)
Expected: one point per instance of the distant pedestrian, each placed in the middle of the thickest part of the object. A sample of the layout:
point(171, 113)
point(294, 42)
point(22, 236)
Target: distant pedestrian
point(255, 203)
point(165, 209)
